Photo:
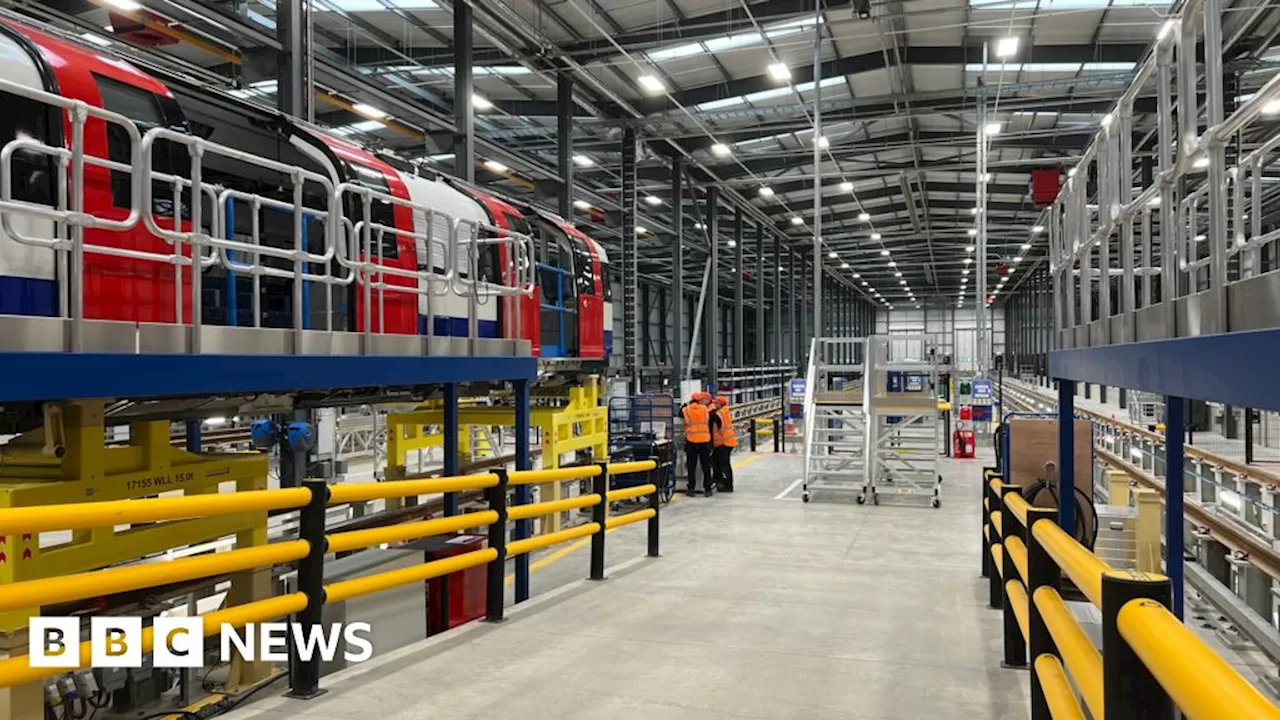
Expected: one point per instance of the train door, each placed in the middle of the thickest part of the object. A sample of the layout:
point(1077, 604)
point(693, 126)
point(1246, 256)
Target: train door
point(558, 286)
point(590, 300)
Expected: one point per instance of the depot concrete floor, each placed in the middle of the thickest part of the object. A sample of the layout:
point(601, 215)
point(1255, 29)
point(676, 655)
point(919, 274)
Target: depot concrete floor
point(760, 607)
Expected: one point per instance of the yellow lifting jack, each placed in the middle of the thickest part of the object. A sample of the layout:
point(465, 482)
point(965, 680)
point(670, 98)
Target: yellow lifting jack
point(68, 460)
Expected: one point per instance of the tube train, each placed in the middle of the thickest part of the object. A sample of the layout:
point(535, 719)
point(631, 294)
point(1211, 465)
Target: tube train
point(568, 315)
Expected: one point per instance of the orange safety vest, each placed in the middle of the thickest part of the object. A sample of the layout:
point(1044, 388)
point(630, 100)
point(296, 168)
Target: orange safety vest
point(697, 423)
point(726, 435)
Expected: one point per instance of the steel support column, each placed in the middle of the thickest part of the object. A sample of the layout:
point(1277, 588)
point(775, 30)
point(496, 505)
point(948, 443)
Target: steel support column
point(630, 261)
point(762, 343)
point(646, 357)
point(739, 292)
point(295, 96)
point(677, 271)
point(711, 316)
point(776, 263)
point(464, 146)
point(664, 350)
point(793, 297)
point(564, 141)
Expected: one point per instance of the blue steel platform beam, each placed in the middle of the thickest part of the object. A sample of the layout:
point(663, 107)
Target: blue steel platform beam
point(43, 376)
point(1191, 367)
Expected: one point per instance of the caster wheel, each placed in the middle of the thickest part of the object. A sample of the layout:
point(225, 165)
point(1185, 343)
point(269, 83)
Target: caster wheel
point(936, 503)
point(805, 497)
point(875, 500)
point(862, 499)
point(939, 479)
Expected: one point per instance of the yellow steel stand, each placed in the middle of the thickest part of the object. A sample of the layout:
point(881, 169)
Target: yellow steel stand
point(68, 461)
point(581, 423)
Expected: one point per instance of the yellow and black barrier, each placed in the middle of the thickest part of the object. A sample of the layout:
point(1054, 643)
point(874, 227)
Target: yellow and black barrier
point(1149, 664)
point(309, 551)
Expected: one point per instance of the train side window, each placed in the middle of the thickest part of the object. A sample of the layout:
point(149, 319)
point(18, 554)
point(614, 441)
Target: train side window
point(32, 171)
point(143, 108)
point(605, 282)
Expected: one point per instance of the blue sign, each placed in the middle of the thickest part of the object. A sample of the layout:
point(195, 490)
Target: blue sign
point(797, 387)
point(982, 389)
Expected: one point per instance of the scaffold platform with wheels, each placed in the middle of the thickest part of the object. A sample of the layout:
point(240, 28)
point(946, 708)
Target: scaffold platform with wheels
point(904, 429)
point(834, 417)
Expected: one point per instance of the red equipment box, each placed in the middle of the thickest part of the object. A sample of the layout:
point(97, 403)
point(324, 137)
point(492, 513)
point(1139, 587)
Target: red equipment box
point(964, 444)
point(1045, 184)
point(465, 588)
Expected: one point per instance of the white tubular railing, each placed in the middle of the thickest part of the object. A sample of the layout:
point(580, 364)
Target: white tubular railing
point(1217, 218)
point(810, 397)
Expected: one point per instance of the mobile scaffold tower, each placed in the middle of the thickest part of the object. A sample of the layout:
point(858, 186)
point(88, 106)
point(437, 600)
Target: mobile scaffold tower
point(835, 427)
point(904, 428)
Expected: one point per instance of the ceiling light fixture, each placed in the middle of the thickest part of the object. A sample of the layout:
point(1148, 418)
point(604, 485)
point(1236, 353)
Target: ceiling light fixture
point(992, 128)
point(797, 220)
point(369, 111)
point(126, 5)
point(1026, 247)
point(480, 102)
point(969, 248)
point(823, 142)
point(863, 217)
point(653, 200)
point(583, 161)
point(1037, 229)
point(641, 230)
point(721, 150)
point(1007, 47)
point(651, 84)
point(971, 232)
point(1017, 259)
point(884, 253)
point(1271, 108)
point(844, 266)
point(875, 236)
point(1201, 162)
point(495, 166)
point(779, 71)
point(833, 254)
point(968, 261)
point(847, 186)
point(582, 204)
point(732, 243)
point(765, 191)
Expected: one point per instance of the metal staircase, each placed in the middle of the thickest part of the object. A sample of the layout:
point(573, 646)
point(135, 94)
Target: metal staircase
point(835, 428)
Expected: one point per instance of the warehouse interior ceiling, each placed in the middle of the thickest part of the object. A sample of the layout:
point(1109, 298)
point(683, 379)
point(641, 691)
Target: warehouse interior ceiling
point(728, 87)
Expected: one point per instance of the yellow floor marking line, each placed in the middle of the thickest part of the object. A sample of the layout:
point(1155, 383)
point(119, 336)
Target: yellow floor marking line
point(571, 548)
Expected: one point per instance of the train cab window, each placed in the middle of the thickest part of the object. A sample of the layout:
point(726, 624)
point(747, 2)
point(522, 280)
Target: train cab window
point(584, 277)
point(32, 171)
point(605, 282)
point(148, 111)
point(381, 212)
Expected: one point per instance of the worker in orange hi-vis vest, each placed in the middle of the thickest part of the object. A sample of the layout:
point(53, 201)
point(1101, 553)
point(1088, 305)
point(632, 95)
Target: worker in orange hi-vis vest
point(697, 441)
point(724, 438)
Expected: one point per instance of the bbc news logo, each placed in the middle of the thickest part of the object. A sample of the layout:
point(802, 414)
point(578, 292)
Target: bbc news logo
point(180, 642)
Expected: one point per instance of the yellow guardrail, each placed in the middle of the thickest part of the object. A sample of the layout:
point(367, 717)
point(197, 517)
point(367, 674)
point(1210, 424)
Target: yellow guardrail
point(1200, 682)
point(359, 539)
point(1083, 567)
point(1057, 691)
point(632, 492)
point(99, 583)
point(309, 551)
point(533, 510)
point(520, 547)
point(1082, 658)
point(359, 492)
point(1183, 671)
point(82, 516)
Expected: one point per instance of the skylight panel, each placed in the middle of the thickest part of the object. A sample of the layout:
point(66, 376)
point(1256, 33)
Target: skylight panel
point(376, 5)
point(729, 42)
point(1048, 5)
point(718, 104)
point(672, 53)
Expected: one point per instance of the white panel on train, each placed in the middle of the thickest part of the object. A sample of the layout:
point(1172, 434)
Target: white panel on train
point(450, 205)
point(18, 260)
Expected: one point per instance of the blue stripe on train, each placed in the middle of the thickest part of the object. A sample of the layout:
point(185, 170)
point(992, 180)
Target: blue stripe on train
point(608, 343)
point(457, 327)
point(28, 296)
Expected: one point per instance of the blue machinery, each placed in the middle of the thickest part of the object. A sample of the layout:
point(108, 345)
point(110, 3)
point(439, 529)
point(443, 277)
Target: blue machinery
point(643, 427)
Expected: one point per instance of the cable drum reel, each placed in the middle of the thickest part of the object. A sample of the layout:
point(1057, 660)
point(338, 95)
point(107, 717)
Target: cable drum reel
point(1044, 493)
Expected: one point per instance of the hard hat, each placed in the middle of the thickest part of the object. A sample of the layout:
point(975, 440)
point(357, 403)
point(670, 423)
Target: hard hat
point(699, 396)
point(721, 400)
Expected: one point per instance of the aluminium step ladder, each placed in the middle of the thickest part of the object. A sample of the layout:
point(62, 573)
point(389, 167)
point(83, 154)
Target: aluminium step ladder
point(835, 427)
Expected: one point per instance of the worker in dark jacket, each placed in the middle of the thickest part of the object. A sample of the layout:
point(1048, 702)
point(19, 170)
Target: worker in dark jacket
point(724, 438)
point(697, 441)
